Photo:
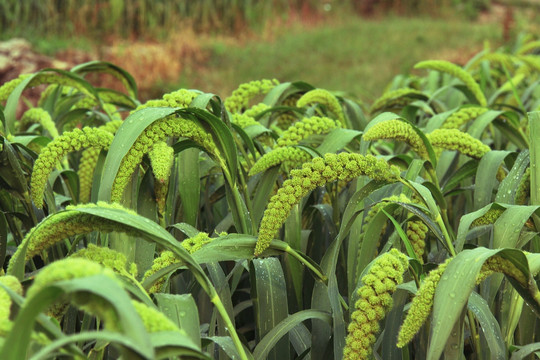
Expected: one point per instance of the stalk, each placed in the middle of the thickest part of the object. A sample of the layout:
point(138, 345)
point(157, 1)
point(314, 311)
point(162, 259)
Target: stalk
point(229, 325)
point(289, 250)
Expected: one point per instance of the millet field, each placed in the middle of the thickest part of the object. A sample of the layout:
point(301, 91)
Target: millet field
point(275, 218)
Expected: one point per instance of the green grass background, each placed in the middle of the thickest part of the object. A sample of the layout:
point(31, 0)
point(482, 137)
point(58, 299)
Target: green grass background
point(356, 56)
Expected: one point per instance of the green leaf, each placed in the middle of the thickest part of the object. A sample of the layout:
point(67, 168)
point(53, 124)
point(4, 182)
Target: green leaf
point(329, 294)
point(452, 294)
point(227, 345)
point(189, 184)
point(182, 310)
point(273, 337)
point(284, 90)
point(393, 322)
point(337, 139)
point(507, 188)
point(508, 226)
point(370, 239)
point(350, 219)
point(269, 294)
point(402, 235)
point(354, 114)
point(202, 100)
point(294, 269)
point(11, 171)
point(481, 122)
point(107, 67)
point(491, 330)
point(172, 343)
point(467, 170)
point(187, 229)
point(87, 336)
point(217, 276)
point(525, 351)
point(486, 177)
point(45, 323)
point(166, 343)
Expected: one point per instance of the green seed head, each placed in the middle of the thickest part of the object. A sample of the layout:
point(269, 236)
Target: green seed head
point(167, 258)
point(395, 99)
point(458, 72)
point(421, 305)
point(108, 258)
point(397, 130)
point(5, 300)
point(454, 139)
point(463, 116)
point(375, 301)
point(290, 157)
point(42, 117)
point(325, 98)
point(306, 127)
point(55, 150)
point(319, 171)
point(239, 99)
point(153, 319)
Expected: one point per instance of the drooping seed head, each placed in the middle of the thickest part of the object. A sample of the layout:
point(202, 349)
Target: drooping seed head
point(305, 128)
point(375, 300)
point(396, 99)
point(239, 99)
point(463, 116)
point(290, 157)
point(323, 97)
point(318, 172)
point(421, 305)
point(458, 72)
point(55, 150)
point(454, 139)
point(397, 130)
point(42, 117)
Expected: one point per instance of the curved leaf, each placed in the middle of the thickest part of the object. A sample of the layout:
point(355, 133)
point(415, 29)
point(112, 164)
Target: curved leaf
point(286, 325)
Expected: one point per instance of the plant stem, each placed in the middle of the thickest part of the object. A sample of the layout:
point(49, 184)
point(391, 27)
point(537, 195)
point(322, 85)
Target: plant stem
point(229, 326)
point(449, 244)
point(289, 250)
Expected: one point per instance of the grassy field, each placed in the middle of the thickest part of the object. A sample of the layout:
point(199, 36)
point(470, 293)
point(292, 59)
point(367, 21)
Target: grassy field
point(356, 56)
point(346, 52)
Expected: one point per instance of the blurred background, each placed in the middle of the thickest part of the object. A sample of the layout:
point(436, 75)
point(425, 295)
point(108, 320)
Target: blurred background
point(352, 46)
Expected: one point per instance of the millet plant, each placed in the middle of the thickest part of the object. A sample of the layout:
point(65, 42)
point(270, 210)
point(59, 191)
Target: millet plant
point(280, 222)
